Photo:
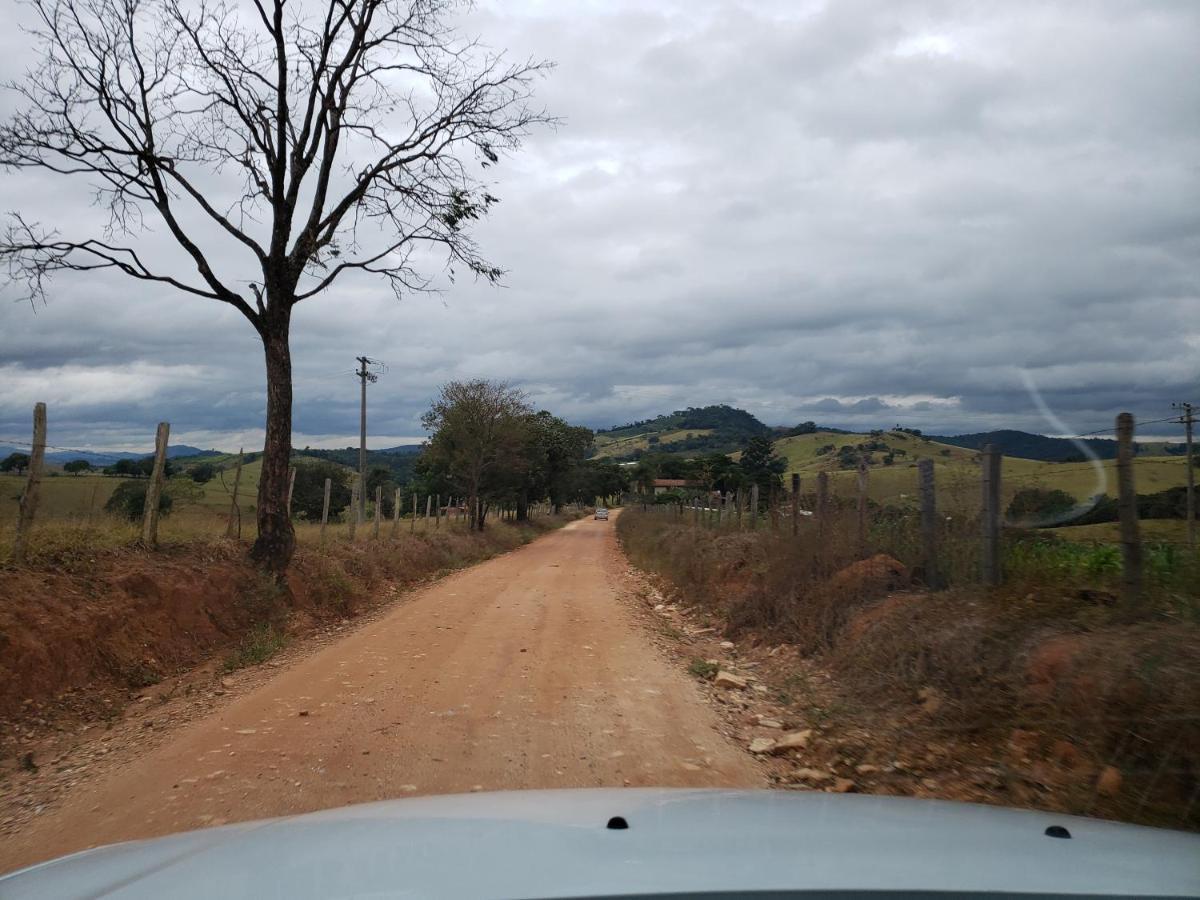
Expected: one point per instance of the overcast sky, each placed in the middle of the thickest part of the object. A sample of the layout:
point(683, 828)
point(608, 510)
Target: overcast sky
point(858, 213)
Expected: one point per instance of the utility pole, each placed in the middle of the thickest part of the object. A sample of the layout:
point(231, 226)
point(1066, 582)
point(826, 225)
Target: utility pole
point(364, 375)
point(1189, 418)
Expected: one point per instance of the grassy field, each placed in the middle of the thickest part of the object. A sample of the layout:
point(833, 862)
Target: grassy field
point(956, 471)
point(71, 512)
point(1172, 531)
point(608, 447)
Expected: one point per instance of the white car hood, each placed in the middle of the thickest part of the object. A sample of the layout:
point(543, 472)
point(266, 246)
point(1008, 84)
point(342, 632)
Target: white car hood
point(558, 844)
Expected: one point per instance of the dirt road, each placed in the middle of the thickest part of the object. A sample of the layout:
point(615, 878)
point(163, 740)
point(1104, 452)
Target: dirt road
point(527, 671)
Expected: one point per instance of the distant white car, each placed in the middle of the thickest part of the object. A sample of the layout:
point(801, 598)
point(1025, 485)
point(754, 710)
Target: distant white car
point(601, 513)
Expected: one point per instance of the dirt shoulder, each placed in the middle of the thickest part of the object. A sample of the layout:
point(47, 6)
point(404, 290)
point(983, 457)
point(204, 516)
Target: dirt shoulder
point(527, 671)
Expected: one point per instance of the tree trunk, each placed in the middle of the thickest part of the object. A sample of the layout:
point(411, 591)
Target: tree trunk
point(522, 507)
point(276, 538)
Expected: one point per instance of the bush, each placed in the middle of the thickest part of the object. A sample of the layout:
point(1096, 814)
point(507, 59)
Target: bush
point(202, 473)
point(1036, 504)
point(128, 501)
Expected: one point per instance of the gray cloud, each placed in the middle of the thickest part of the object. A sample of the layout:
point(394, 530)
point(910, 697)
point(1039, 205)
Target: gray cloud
point(859, 213)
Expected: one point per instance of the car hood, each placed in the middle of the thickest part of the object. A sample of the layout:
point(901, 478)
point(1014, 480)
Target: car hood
point(561, 844)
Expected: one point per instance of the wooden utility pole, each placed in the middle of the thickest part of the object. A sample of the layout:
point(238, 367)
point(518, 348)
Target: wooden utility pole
point(325, 507)
point(354, 508)
point(234, 527)
point(154, 488)
point(991, 461)
point(863, 475)
point(1189, 419)
point(291, 488)
point(1131, 543)
point(364, 376)
point(925, 488)
point(795, 503)
point(33, 482)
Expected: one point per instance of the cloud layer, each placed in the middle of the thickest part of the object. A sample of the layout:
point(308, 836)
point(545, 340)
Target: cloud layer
point(859, 213)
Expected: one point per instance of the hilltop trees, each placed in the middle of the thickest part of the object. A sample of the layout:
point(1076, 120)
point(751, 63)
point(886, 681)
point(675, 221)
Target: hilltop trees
point(77, 466)
point(256, 138)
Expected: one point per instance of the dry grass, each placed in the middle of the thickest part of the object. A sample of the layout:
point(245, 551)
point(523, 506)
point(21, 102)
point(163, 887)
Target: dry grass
point(1049, 653)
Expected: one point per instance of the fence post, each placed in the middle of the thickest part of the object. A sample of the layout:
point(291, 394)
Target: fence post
point(437, 512)
point(1131, 543)
point(753, 510)
point(291, 488)
point(325, 507)
point(795, 503)
point(822, 503)
point(991, 461)
point(773, 507)
point(154, 488)
point(925, 488)
point(428, 508)
point(29, 496)
point(396, 504)
point(235, 511)
point(354, 488)
point(378, 509)
point(863, 475)
point(412, 527)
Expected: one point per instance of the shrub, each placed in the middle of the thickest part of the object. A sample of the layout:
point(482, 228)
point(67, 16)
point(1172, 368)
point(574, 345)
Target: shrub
point(202, 473)
point(128, 501)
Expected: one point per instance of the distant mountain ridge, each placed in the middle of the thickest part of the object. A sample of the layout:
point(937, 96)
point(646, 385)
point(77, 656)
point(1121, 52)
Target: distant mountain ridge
point(108, 457)
point(1031, 446)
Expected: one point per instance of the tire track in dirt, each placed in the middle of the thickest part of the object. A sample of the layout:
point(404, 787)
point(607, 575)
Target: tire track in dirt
point(526, 671)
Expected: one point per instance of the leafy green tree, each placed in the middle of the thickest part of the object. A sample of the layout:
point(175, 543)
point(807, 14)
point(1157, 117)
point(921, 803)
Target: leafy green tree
point(555, 451)
point(381, 477)
point(762, 466)
point(128, 501)
point(15, 462)
point(308, 492)
point(479, 438)
point(76, 466)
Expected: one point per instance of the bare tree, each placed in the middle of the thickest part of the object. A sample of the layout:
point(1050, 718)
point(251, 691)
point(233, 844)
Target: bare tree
point(290, 143)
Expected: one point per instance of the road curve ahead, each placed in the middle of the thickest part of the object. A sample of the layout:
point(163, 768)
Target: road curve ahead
point(526, 671)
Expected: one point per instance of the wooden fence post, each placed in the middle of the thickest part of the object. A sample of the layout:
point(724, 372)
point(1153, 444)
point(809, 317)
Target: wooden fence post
point(33, 482)
point(795, 503)
point(1131, 543)
point(991, 461)
point(773, 507)
point(154, 488)
point(753, 507)
point(234, 525)
point(412, 526)
point(354, 511)
point(823, 503)
point(428, 508)
point(378, 509)
point(291, 488)
point(396, 504)
point(325, 507)
point(863, 475)
point(925, 487)
point(437, 512)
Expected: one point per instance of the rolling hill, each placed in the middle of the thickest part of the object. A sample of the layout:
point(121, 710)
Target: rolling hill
point(692, 431)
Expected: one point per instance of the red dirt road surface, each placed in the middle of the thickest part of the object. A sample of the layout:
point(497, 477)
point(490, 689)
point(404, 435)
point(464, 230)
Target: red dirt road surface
point(527, 671)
